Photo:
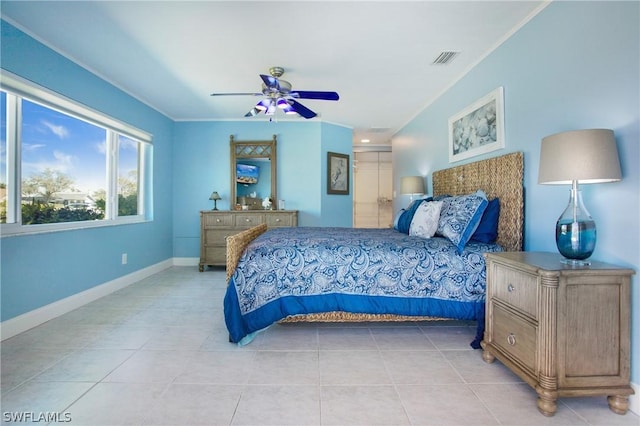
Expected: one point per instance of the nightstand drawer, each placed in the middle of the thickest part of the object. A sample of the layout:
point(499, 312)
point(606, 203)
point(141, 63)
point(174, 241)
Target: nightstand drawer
point(515, 336)
point(516, 288)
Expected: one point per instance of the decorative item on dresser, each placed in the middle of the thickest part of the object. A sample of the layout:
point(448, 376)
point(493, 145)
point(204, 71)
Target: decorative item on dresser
point(565, 330)
point(578, 156)
point(215, 197)
point(217, 225)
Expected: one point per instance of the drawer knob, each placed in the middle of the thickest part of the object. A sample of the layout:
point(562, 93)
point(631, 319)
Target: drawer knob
point(511, 339)
point(510, 288)
point(248, 220)
point(218, 220)
point(277, 220)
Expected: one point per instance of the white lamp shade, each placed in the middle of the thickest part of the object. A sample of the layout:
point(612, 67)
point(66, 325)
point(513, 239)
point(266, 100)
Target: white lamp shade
point(412, 185)
point(585, 156)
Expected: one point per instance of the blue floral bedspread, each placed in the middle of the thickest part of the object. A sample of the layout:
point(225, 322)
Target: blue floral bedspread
point(291, 271)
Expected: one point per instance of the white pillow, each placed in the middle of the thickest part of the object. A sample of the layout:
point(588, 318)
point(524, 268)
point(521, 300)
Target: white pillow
point(425, 220)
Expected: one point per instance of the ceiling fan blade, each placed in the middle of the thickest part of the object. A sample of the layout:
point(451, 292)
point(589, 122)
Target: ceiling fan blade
point(270, 81)
point(253, 112)
point(236, 94)
point(301, 109)
point(327, 96)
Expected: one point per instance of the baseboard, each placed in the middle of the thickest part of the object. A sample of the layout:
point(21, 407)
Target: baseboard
point(26, 321)
point(186, 261)
point(634, 400)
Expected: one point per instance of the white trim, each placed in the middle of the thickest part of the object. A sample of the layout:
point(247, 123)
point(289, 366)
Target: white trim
point(15, 229)
point(26, 321)
point(634, 400)
point(186, 261)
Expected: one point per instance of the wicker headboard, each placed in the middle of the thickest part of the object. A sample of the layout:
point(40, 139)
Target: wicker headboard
point(500, 177)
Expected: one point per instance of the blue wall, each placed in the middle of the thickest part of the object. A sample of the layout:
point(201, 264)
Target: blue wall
point(337, 210)
point(190, 160)
point(202, 157)
point(41, 269)
point(576, 65)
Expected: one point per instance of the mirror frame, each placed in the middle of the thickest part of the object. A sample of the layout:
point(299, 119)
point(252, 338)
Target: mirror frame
point(253, 150)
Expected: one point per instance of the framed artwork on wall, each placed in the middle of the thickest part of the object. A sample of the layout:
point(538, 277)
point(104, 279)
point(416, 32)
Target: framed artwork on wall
point(337, 173)
point(479, 128)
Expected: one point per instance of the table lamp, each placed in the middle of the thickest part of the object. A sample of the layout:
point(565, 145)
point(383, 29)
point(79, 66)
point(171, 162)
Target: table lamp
point(578, 156)
point(215, 197)
point(412, 185)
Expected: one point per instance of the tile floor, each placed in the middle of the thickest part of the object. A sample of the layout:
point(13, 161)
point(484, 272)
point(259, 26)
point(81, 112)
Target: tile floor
point(157, 353)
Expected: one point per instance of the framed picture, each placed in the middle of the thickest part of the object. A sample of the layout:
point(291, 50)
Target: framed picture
point(477, 129)
point(337, 173)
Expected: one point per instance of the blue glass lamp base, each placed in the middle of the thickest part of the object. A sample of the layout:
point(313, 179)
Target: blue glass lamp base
point(576, 241)
point(576, 263)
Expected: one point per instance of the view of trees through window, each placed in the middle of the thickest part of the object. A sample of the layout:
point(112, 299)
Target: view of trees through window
point(66, 166)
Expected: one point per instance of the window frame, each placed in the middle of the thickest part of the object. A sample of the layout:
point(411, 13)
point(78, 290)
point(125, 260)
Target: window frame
point(17, 88)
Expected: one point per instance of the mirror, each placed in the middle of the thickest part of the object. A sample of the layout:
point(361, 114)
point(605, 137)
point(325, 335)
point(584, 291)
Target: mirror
point(253, 174)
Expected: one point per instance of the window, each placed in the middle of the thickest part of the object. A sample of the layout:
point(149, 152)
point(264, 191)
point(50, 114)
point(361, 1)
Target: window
point(65, 166)
point(128, 177)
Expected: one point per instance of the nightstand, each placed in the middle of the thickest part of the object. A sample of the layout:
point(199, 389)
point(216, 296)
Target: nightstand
point(564, 330)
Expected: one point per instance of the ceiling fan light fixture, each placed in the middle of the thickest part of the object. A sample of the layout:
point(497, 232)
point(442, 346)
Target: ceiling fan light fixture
point(289, 110)
point(263, 105)
point(272, 108)
point(282, 103)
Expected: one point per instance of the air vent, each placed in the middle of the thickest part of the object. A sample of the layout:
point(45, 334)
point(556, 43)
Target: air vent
point(445, 57)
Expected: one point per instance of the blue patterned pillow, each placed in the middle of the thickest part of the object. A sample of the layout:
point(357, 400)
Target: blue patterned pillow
point(460, 217)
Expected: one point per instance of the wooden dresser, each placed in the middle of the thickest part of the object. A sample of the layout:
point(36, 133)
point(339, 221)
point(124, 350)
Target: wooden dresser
point(564, 330)
point(217, 225)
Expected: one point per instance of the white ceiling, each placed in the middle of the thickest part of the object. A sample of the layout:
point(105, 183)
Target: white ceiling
point(377, 55)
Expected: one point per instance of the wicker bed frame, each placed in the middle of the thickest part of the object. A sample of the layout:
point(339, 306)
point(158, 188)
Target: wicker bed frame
point(500, 177)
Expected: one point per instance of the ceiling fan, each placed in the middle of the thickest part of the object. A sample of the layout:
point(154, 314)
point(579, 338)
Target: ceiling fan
point(278, 94)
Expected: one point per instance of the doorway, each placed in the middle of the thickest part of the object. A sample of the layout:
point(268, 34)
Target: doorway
point(373, 190)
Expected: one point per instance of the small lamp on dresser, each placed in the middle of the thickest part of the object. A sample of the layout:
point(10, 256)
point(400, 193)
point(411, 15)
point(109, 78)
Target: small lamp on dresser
point(215, 197)
point(578, 156)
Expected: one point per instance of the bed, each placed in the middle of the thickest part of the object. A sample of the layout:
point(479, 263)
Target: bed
point(349, 274)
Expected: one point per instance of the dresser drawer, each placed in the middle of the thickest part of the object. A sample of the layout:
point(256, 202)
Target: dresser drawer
point(217, 220)
point(217, 237)
point(274, 220)
point(516, 288)
point(214, 255)
point(248, 220)
point(515, 336)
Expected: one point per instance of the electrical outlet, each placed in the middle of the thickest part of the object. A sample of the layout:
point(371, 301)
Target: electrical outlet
point(124, 258)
